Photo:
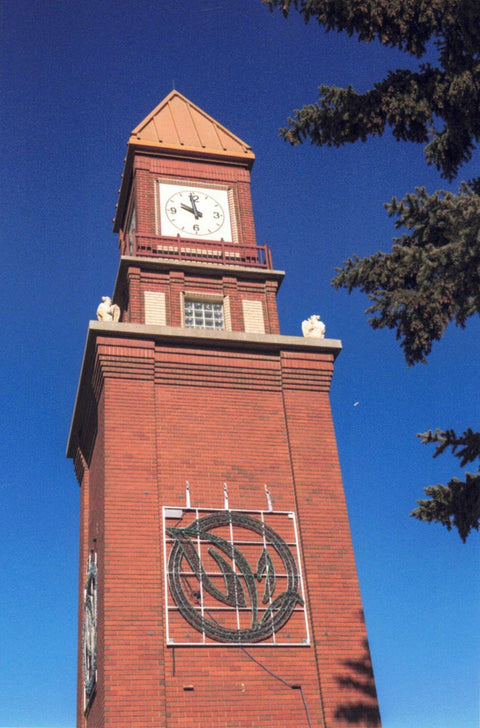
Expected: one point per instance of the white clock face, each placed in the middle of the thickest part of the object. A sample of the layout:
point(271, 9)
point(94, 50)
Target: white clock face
point(194, 212)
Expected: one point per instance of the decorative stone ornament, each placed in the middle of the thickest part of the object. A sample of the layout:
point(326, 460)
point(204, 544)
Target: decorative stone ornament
point(89, 640)
point(108, 311)
point(313, 327)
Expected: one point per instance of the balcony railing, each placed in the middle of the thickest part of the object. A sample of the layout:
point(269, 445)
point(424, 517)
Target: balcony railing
point(258, 256)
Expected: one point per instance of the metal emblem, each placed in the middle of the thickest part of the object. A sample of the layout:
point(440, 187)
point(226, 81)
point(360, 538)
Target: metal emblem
point(253, 572)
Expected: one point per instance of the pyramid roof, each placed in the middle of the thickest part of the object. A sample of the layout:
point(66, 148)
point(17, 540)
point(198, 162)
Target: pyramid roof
point(178, 125)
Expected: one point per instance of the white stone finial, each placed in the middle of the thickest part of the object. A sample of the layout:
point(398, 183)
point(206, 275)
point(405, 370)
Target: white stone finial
point(107, 311)
point(313, 327)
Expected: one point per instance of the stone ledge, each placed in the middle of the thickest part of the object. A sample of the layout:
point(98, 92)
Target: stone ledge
point(274, 342)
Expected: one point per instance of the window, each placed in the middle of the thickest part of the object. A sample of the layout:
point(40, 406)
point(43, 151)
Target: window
point(203, 314)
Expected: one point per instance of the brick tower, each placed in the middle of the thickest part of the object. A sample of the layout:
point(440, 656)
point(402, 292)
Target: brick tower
point(218, 586)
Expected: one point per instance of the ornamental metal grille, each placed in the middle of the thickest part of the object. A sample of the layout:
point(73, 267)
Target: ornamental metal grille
point(89, 637)
point(203, 315)
point(233, 577)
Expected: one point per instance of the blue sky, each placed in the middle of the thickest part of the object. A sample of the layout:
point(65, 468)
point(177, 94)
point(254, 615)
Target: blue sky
point(75, 79)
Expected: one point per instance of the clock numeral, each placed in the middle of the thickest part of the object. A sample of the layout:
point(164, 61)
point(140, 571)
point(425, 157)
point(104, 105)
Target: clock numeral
point(173, 210)
point(216, 215)
point(196, 228)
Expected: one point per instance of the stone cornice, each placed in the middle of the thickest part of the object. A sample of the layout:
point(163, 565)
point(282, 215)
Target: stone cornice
point(237, 339)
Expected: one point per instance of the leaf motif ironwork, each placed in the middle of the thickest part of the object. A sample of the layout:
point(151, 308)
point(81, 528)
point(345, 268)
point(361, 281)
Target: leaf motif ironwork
point(265, 566)
point(238, 576)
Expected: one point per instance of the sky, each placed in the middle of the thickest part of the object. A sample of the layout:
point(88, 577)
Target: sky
point(76, 78)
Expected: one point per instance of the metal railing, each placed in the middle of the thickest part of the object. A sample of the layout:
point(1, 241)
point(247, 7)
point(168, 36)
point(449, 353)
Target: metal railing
point(152, 246)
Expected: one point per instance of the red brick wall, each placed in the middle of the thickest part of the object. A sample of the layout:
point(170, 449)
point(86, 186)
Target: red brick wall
point(175, 283)
point(171, 414)
point(330, 571)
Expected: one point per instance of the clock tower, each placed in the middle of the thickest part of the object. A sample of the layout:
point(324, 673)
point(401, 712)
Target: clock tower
point(218, 586)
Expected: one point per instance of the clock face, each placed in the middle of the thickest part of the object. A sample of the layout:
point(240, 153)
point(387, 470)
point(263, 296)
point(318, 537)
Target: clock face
point(194, 212)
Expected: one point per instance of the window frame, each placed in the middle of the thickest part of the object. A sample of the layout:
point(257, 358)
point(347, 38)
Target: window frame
point(191, 297)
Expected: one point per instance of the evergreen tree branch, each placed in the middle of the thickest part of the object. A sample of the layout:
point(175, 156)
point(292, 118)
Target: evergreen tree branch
point(466, 446)
point(403, 100)
point(456, 504)
point(407, 25)
point(439, 105)
point(432, 275)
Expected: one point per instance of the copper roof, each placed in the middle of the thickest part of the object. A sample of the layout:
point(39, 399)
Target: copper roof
point(178, 128)
point(178, 125)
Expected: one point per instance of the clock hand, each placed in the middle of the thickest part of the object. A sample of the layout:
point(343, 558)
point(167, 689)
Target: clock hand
point(195, 210)
point(190, 209)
